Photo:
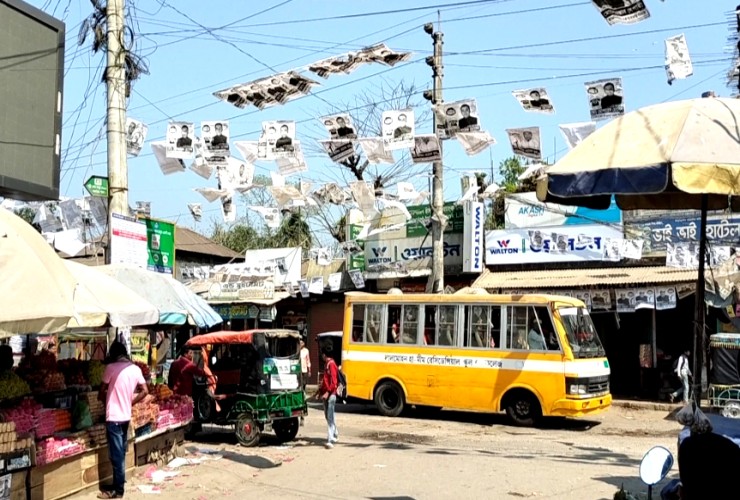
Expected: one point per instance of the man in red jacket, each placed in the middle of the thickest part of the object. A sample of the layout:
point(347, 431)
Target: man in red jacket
point(328, 394)
point(182, 371)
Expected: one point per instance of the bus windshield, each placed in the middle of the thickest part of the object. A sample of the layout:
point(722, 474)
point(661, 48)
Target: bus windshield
point(581, 333)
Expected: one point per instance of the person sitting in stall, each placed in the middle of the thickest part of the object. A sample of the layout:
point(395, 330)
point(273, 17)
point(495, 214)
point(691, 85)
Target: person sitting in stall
point(181, 375)
point(6, 359)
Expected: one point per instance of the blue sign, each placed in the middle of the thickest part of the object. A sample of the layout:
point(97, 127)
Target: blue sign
point(659, 231)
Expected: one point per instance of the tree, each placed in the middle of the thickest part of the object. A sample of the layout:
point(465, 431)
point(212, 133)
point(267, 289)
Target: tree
point(26, 213)
point(366, 110)
point(509, 169)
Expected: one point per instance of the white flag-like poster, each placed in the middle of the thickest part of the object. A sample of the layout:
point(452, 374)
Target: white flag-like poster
point(242, 172)
point(340, 127)
point(683, 255)
point(266, 92)
point(406, 191)
point(575, 133)
point(316, 285)
point(228, 175)
point(475, 142)
point(211, 194)
point(200, 164)
point(135, 136)
point(665, 297)
point(196, 211)
point(398, 129)
point(323, 256)
point(526, 142)
point(277, 179)
point(303, 287)
point(271, 215)
point(338, 151)
point(248, 150)
point(458, 116)
point(228, 208)
point(622, 11)
point(644, 298)
point(632, 249)
point(277, 140)
point(601, 300)
point(167, 165)
point(143, 208)
point(426, 149)
point(357, 279)
point(290, 288)
point(335, 281)
point(612, 249)
point(215, 136)
point(559, 243)
point(375, 152)
point(535, 100)
point(719, 254)
point(293, 163)
point(605, 98)
point(364, 195)
point(678, 64)
point(625, 300)
point(180, 139)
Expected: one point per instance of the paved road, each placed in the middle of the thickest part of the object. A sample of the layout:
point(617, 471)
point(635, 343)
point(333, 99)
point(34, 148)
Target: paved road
point(448, 455)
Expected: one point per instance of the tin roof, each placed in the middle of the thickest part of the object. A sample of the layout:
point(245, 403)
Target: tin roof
point(574, 278)
point(187, 240)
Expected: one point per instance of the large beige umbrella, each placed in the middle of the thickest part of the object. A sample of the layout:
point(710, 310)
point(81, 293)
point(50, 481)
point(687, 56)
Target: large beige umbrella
point(36, 290)
point(676, 155)
point(102, 300)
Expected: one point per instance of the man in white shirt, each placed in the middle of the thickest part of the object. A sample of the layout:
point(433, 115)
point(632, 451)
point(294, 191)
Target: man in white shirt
point(305, 365)
point(683, 372)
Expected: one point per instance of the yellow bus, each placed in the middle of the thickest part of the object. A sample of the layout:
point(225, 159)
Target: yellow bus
point(528, 355)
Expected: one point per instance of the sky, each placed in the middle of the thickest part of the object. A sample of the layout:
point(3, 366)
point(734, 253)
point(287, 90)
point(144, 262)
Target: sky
point(194, 48)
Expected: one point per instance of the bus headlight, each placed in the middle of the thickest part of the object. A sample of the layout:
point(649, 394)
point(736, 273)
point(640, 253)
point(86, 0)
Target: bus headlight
point(577, 389)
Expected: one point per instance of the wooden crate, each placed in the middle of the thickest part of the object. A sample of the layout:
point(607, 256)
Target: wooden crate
point(160, 448)
point(18, 485)
point(67, 476)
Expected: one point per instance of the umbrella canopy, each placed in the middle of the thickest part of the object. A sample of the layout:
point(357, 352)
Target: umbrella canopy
point(664, 156)
point(175, 302)
point(101, 299)
point(36, 289)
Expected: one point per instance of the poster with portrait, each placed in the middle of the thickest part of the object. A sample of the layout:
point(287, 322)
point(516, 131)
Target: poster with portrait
point(196, 210)
point(166, 164)
point(458, 116)
point(293, 164)
point(357, 279)
point(374, 151)
point(559, 243)
point(625, 300)
point(719, 254)
point(335, 281)
point(684, 255)
point(215, 135)
point(135, 136)
point(303, 287)
point(241, 174)
point(575, 133)
point(534, 100)
point(644, 298)
point(525, 142)
point(665, 297)
point(398, 129)
point(339, 126)
point(632, 249)
point(622, 11)
point(316, 285)
point(612, 249)
point(143, 208)
point(338, 151)
point(584, 296)
point(601, 300)
point(228, 208)
point(200, 164)
point(426, 149)
point(266, 92)
point(475, 142)
point(678, 64)
point(277, 140)
point(605, 98)
point(180, 139)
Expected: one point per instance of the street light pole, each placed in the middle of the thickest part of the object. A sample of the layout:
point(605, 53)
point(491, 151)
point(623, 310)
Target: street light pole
point(115, 79)
point(439, 221)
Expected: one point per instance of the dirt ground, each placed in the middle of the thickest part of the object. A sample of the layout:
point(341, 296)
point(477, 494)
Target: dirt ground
point(444, 455)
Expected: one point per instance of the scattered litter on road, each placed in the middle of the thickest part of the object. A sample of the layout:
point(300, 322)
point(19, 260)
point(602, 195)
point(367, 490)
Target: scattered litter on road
point(379, 466)
point(180, 461)
point(149, 489)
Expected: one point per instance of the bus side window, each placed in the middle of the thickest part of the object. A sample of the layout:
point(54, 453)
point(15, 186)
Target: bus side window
point(410, 324)
point(517, 327)
point(373, 323)
point(476, 326)
point(430, 325)
point(394, 325)
point(358, 322)
point(447, 326)
point(548, 330)
point(495, 326)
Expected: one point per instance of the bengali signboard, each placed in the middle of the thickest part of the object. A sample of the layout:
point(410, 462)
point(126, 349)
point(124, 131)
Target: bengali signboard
point(160, 245)
point(411, 253)
point(660, 230)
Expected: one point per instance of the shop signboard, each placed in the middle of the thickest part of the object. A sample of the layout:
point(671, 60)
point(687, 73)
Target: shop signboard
point(160, 245)
point(411, 253)
point(473, 237)
point(241, 290)
point(524, 210)
point(128, 241)
point(513, 246)
point(657, 231)
point(236, 311)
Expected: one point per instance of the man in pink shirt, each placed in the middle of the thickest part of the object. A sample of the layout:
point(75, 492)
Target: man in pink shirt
point(123, 386)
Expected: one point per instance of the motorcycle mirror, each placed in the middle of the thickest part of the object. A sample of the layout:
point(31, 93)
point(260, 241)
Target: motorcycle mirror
point(655, 465)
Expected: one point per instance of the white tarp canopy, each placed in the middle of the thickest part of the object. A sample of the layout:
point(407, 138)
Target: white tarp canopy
point(102, 299)
point(36, 288)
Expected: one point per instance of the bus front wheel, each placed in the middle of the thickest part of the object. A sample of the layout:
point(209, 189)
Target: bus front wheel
point(389, 399)
point(523, 408)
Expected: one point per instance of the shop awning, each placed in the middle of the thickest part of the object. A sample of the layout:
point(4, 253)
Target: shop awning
point(577, 278)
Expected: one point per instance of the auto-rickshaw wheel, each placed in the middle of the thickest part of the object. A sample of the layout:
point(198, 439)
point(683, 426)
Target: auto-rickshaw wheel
point(247, 430)
point(286, 429)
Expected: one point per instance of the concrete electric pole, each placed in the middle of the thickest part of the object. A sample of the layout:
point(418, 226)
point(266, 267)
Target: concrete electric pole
point(439, 221)
point(115, 78)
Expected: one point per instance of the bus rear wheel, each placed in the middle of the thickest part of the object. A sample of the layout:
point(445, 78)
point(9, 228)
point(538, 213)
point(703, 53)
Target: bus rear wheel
point(523, 408)
point(389, 399)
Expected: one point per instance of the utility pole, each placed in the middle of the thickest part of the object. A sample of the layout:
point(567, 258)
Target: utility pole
point(439, 221)
point(115, 79)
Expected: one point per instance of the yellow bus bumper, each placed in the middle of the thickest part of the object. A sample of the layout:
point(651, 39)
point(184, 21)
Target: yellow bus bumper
point(581, 407)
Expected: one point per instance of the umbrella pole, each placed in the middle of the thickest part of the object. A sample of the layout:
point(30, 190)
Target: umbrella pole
point(699, 314)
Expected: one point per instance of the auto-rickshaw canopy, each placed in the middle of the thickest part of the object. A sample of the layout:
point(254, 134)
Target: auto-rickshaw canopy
point(242, 337)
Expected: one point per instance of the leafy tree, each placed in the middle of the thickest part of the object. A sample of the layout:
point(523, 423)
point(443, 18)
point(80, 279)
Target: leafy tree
point(509, 169)
point(25, 213)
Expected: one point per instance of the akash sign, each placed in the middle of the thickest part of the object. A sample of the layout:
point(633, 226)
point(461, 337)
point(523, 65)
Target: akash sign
point(513, 246)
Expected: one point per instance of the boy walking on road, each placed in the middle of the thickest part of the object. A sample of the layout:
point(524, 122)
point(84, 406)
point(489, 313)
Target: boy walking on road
point(328, 394)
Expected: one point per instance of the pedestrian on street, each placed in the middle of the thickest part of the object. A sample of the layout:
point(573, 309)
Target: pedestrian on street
point(182, 372)
point(123, 386)
point(305, 365)
point(328, 394)
point(683, 372)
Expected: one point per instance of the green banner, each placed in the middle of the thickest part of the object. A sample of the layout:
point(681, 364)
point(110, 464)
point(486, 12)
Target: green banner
point(160, 238)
